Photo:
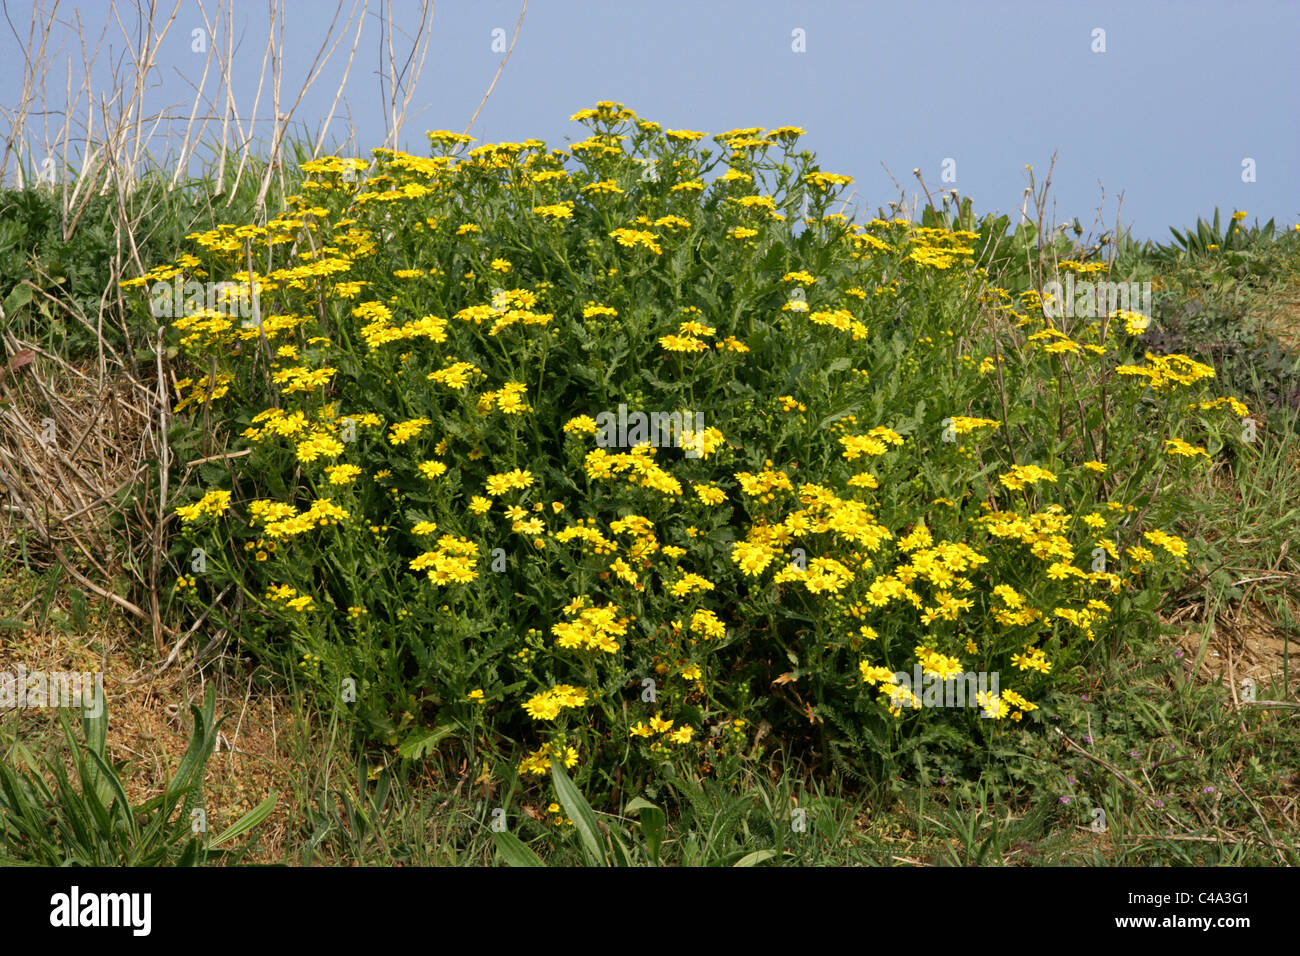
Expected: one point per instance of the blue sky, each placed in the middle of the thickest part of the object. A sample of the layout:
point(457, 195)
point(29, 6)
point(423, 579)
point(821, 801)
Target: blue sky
point(1184, 93)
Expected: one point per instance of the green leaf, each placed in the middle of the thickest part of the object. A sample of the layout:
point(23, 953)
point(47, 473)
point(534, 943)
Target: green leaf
point(620, 851)
point(579, 811)
point(652, 825)
point(19, 297)
point(413, 748)
point(758, 856)
point(245, 823)
point(119, 794)
point(514, 851)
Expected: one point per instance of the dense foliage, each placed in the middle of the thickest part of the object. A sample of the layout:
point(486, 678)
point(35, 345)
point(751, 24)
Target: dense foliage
point(453, 524)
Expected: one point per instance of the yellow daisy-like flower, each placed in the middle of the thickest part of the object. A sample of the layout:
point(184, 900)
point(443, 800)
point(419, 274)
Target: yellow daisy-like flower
point(682, 735)
point(710, 494)
point(705, 622)
point(1176, 446)
point(213, 503)
point(562, 210)
point(1022, 475)
point(875, 675)
point(683, 343)
point(342, 474)
point(402, 432)
point(498, 485)
point(752, 558)
point(659, 725)
point(549, 703)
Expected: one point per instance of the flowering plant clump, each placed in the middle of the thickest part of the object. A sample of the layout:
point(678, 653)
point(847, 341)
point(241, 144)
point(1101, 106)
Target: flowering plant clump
point(858, 459)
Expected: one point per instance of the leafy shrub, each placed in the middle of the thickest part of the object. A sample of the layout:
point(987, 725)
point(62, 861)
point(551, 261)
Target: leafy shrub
point(900, 463)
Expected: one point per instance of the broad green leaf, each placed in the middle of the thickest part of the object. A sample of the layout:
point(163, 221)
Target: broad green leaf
point(514, 851)
point(579, 811)
point(19, 297)
point(652, 825)
point(413, 748)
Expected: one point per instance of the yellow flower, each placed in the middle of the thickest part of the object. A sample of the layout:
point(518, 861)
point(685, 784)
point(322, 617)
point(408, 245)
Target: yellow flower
point(401, 432)
point(213, 503)
point(562, 210)
point(1176, 446)
point(631, 238)
point(659, 725)
point(683, 343)
point(705, 622)
point(498, 485)
point(710, 494)
point(875, 675)
point(752, 558)
point(549, 703)
point(682, 735)
point(342, 474)
point(1022, 475)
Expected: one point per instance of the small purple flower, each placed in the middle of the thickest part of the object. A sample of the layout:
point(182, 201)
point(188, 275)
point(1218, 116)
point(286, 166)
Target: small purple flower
point(1208, 790)
point(1084, 697)
point(1160, 803)
point(1178, 654)
point(1070, 781)
point(1132, 753)
point(1065, 799)
point(1087, 740)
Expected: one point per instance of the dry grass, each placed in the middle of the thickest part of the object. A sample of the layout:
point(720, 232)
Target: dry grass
point(149, 711)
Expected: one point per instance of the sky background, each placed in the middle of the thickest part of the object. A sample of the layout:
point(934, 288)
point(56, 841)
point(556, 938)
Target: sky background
point(1182, 95)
